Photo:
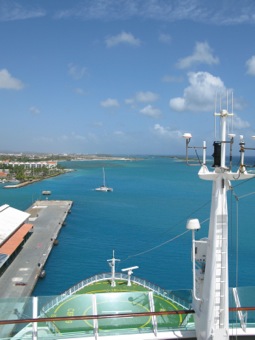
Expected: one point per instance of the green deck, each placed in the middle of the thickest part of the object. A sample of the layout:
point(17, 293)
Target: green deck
point(115, 300)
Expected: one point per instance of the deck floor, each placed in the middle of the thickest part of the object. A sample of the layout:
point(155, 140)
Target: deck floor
point(102, 299)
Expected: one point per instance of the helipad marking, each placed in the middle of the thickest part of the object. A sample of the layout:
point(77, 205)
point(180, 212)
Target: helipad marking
point(174, 306)
point(116, 312)
point(105, 324)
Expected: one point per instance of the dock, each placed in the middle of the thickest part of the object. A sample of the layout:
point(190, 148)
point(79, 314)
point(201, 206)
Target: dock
point(20, 278)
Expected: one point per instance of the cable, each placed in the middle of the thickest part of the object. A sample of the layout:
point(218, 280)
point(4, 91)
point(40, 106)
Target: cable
point(172, 239)
point(199, 161)
point(186, 218)
point(162, 244)
point(158, 246)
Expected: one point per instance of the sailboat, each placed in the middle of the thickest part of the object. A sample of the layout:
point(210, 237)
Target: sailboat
point(104, 187)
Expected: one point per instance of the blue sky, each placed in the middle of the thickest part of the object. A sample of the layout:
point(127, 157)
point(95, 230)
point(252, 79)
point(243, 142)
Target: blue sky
point(122, 76)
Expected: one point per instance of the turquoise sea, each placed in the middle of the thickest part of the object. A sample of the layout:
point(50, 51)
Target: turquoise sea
point(143, 220)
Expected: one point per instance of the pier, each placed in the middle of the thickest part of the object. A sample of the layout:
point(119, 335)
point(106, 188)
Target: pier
point(47, 218)
point(20, 278)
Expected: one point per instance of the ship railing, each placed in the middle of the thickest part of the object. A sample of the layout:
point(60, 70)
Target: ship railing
point(118, 276)
point(28, 333)
point(241, 315)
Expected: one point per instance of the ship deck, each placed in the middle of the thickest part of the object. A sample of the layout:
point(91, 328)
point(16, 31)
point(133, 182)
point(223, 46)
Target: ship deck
point(102, 299)
point(95, 309)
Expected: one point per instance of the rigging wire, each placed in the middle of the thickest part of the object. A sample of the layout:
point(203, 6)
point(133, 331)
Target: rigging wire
point(174, 238)
point(237, 234)
point(243, 182)
point(161, 244)
point(237, 243)
point(158, 246)
point(199, 161)
point(187, 217)
point(231, 239)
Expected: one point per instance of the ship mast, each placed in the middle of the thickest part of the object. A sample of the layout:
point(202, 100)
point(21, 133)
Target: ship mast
point(112, 263)
point(210, 260)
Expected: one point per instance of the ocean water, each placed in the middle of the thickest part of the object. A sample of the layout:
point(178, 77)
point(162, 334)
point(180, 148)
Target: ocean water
point(143, 220)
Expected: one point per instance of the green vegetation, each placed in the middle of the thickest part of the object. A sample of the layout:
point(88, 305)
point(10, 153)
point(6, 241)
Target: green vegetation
point(23, 174)
point(28, 172)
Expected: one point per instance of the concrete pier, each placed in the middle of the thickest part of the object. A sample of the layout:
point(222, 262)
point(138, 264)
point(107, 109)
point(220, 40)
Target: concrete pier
point(20, 278)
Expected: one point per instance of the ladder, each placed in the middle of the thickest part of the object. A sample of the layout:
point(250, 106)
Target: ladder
point(220, 279)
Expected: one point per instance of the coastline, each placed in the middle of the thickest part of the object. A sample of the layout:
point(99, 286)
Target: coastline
point(23, 184)
point(103, 158)
point(86, 158)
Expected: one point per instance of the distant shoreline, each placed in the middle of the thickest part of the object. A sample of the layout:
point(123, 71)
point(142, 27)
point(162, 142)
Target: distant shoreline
point(87, 158)
point(98, 158)
point(23, 184)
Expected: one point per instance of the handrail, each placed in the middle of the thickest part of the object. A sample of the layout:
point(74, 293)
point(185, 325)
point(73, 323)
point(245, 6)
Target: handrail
point(112, 316)
point(107, 276)
point(92, 317)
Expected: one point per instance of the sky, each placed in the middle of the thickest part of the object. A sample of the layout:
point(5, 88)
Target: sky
point(123, 77)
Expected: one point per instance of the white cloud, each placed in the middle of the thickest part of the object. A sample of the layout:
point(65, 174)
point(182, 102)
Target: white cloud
point(122, 38)
point(167, 11)
point(78, 137)
point(63, 138)
point(165, 38)
point(44, 140)
point(79, 91)
point(202, 55)
point(92, 137)
point(166, 132)
point(98, 124)
point(143, 97)
point(129, 101)
point(200, 94)
point(76, 72)
point(110, 103)
point(150, 111)
point(11, 10)
point(177, 104)
point(238, 123)
point(172, 79)
point(8, 82)
point(119, 133)
point(250, 63)
point(34, 110)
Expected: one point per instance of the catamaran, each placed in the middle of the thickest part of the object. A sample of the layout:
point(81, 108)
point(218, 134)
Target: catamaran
point(104, 187)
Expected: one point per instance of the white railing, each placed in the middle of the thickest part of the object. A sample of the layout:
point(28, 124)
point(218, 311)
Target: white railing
point(118, 276)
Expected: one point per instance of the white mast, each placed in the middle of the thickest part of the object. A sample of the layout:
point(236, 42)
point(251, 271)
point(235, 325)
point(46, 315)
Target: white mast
point(104, 178)
point(211, 283)
point(112, 265)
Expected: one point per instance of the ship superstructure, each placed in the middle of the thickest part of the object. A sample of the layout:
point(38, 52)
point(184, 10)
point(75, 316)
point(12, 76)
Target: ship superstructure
point(210, 256)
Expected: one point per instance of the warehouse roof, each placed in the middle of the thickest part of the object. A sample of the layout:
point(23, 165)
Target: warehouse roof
point(10, 220)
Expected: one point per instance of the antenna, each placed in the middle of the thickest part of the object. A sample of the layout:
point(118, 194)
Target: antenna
point(227, 111)
point(232, 111)
point(112, 265)
point(227, 100)
point(130, 272)
point(188, 137)
point(215, 103)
